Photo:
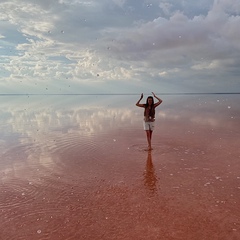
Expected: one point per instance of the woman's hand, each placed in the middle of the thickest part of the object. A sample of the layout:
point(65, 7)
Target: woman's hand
point(138, 102)
point(159, 100)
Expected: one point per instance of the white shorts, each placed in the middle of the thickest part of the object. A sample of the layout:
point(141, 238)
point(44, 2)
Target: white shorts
point(148, 126)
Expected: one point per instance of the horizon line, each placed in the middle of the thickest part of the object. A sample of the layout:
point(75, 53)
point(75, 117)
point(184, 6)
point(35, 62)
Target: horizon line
point(83, 94)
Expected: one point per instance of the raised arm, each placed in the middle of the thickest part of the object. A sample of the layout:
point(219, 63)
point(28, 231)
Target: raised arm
point(159, 100)
point(138, 104)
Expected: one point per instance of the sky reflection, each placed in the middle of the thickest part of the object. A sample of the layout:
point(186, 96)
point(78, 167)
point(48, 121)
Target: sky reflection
point(37, 125)
point(83, 157)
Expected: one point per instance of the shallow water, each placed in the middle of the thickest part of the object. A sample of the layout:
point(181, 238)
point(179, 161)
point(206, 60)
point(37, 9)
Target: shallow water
point(75, 167)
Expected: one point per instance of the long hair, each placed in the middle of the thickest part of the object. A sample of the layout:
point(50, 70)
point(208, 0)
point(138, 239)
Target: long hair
point(151, 111)
point(146, 105)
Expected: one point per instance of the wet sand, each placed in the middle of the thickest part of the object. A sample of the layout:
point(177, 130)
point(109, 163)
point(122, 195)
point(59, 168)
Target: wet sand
point(80, 171)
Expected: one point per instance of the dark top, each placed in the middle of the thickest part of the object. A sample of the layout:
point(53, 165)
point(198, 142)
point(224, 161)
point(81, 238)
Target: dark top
point(149, 114)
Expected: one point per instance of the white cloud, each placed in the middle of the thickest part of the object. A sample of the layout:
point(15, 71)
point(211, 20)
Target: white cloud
point(228, 6)
point(166, 8)
point(120, 3)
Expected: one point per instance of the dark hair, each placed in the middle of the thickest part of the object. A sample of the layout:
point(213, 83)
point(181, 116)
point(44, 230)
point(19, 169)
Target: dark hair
point(151, 111)
point(146, 105)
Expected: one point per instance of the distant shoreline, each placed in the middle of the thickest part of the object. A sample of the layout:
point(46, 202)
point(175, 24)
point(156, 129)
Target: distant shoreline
point(114, 94)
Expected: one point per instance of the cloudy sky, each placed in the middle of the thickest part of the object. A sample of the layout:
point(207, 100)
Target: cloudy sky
point(119, 46)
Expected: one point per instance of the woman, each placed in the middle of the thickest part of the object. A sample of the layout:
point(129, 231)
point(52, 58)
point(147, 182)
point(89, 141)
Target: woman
point(149, 116)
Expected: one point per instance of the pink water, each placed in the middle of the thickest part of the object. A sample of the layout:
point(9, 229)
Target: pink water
point(76, 168)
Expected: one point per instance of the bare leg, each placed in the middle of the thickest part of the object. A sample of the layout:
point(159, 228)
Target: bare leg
point(149, 136)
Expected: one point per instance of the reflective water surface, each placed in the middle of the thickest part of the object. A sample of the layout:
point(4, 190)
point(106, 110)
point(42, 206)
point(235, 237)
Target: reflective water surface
point(75, 167)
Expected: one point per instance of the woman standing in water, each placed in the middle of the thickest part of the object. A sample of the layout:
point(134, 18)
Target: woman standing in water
point(149, 116)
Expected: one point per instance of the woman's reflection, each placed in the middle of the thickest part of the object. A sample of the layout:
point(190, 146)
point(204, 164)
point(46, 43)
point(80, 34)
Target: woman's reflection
point(150, 179)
